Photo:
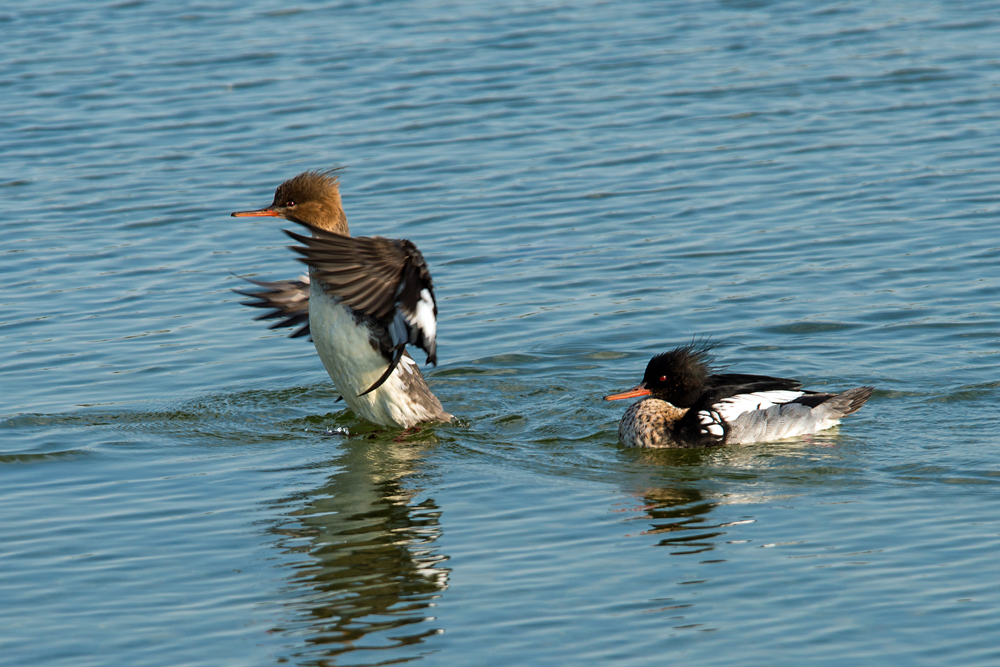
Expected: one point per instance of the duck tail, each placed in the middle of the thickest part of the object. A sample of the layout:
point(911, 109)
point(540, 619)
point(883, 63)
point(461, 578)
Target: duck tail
point(849, 401)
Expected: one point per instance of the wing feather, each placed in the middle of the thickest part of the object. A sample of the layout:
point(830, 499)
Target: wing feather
point(287, 301)
point(732, 407)
point(730, 395)
point(387, 279)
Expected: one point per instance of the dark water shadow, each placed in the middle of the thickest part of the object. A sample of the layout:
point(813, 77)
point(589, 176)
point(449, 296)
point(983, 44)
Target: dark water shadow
point(679, 490)
point(370, 575)
point(675, 505)
point(682, 517)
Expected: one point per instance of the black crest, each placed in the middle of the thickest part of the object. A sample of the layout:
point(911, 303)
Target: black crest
point(680, 375)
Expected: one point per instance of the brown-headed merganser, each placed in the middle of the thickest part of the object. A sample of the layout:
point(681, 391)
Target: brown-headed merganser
point(689, 404)
point(364, 300)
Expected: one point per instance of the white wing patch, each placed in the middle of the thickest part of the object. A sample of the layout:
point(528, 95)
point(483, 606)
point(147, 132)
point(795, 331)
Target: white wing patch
point(710, 423)
point(423, 317)
point(731, 408)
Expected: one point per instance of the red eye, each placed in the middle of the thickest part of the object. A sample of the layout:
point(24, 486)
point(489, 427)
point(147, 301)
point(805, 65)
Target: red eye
point(663, 378)
point(289, 204)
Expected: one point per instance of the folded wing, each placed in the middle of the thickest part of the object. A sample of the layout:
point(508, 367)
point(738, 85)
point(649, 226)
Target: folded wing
point(731, 395)
point(767, 409)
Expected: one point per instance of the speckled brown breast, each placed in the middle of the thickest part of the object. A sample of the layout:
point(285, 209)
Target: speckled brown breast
point(650, 423)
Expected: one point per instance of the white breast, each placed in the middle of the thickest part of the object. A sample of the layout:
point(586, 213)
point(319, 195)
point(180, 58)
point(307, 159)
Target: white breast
point(345, 347)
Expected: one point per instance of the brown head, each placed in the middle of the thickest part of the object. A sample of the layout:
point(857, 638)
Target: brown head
point(312, 197)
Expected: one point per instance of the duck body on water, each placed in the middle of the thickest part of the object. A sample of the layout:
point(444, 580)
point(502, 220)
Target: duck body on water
point(364, 300)
point(686, 404)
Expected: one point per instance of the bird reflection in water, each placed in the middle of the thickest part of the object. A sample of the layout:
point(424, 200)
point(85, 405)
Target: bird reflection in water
point(373, 574)
point(681, 512)
point(681, 516)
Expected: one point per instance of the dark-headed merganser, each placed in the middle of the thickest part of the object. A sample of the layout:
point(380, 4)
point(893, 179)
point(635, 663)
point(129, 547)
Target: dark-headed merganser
point(689, 404)
point(364, 300)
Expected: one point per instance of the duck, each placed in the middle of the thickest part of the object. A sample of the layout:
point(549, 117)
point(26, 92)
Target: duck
point(687, 403)
point(363, 300)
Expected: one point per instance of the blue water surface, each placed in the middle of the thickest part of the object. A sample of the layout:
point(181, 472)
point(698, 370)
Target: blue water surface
point(811, 184)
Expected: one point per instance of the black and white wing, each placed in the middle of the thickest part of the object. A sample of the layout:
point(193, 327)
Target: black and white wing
point(386, 279)
point(788, 415)
point(287, 301)
point(736, 405)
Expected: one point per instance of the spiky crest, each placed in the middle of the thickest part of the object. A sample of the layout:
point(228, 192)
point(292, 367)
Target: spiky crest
point(316, 199)
point(680, 375)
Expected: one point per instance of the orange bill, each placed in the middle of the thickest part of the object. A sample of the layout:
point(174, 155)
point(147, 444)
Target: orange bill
point(634, 392)
point(259, 213)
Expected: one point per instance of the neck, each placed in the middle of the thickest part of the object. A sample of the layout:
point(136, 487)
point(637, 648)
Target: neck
point(333, 218)
point(337, 224)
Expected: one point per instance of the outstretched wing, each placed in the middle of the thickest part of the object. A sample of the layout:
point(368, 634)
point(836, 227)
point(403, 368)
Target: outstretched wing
point(387, 279)
point(288, 300)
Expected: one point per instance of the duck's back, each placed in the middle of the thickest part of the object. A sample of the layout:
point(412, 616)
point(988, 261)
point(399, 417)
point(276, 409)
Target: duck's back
point(792, 415)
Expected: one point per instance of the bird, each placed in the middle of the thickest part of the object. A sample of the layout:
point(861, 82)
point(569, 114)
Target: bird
point(687, 403)
point(364, 299)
